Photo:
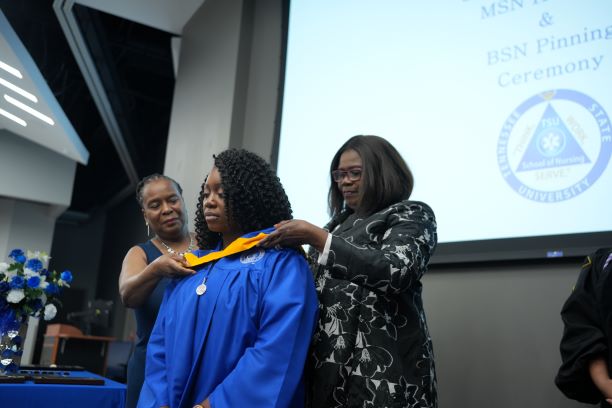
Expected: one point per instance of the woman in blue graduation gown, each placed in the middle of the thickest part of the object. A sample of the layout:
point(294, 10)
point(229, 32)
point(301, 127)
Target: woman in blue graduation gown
point(237, 332)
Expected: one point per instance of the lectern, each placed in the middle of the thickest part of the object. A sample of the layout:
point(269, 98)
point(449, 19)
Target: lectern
point(65, 344)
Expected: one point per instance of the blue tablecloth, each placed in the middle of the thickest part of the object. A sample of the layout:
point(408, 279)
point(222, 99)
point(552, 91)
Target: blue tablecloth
point(29, 395)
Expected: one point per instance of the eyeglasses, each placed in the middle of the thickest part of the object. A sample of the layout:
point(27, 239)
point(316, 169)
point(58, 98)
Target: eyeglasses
point(353, 174)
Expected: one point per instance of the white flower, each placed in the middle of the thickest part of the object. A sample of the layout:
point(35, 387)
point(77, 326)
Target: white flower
point(43, 297)
point(29, 272)
point(63, 283)
point(15, 296)
point(3, 267)
point(50, 311)
point(9, 274)
point(42, 255)
point(43, 285)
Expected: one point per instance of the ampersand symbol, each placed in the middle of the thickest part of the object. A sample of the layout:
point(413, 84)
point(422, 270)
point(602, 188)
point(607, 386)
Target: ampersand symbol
point(546, 20)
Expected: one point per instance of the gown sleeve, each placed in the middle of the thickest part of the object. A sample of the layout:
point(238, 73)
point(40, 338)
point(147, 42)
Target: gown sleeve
point(583, 336)
point(269, 372)
point(398, 261)
point(155, 389)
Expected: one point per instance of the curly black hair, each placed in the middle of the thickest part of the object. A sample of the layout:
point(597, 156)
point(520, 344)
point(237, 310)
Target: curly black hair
point(152, 177)
point(254, 196)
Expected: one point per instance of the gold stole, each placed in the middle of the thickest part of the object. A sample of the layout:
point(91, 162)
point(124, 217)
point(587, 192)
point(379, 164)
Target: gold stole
point(239, 245)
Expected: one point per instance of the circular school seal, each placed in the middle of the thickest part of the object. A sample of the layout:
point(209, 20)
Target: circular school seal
point(555, 145)
point(252, 256)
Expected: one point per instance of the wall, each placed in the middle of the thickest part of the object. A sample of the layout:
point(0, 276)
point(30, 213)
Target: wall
point(496, 333)
point(31, 172)
point(261, 83)
point(25, 225)
point(203, 102)
point(227, 87)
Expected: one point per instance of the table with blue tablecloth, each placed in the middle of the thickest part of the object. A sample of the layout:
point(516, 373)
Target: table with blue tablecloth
point(29, 394)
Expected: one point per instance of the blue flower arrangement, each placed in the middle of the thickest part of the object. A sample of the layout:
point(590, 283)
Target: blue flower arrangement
point(27, 288)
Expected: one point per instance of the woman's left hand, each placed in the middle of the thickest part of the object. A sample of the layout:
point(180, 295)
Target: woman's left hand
point(295, 232)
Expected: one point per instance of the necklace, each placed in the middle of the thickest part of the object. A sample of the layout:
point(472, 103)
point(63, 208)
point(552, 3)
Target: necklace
point(190, 248)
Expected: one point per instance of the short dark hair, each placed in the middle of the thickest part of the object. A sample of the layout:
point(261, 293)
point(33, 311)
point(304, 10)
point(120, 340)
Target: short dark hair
point(254, 196)
point(152, 177)
point(386, 178)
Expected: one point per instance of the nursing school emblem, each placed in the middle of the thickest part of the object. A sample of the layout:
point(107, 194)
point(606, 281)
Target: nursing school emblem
point(555, 146)
point(252, 256)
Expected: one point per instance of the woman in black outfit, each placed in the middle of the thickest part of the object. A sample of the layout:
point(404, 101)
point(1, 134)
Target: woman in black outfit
point(587, 336)
point(372, 346)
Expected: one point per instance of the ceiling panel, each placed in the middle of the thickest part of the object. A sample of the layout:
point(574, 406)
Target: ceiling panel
point(28, 108)
point(166, 15)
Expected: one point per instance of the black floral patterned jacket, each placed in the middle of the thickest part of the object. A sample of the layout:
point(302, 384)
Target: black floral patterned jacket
point(372, 346)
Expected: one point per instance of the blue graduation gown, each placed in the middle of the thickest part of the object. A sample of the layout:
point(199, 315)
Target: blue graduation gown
point(243, 343)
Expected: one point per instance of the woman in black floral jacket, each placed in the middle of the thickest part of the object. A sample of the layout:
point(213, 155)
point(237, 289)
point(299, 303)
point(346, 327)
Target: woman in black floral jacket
point(372, 346)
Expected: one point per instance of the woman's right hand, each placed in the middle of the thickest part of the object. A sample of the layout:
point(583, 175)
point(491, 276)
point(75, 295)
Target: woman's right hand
point(598, 369)
point(295, 232)
point(138, 279)
point(171, 266)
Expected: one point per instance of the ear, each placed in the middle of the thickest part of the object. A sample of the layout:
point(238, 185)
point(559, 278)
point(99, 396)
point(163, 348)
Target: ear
point(144, 216)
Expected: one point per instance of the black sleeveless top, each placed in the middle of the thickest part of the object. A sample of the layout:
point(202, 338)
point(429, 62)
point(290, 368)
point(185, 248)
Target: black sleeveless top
point(145, 319)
